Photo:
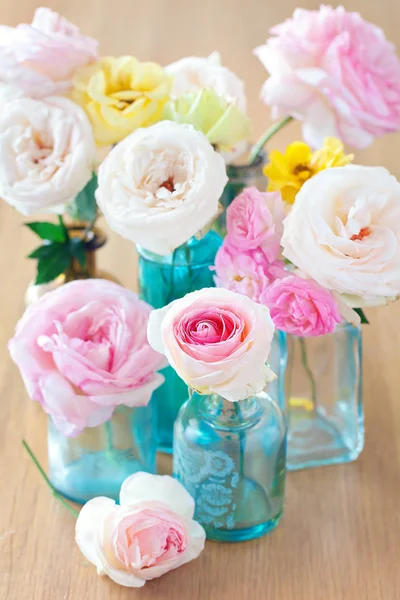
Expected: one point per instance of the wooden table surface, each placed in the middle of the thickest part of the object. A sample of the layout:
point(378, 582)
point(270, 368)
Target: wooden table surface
point(340, 536)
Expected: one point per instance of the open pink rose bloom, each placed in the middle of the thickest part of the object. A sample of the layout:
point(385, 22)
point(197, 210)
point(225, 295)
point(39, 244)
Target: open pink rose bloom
point(82, 350)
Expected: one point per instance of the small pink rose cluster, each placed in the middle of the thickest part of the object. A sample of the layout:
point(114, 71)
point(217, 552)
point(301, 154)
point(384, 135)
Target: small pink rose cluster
point(249, 262)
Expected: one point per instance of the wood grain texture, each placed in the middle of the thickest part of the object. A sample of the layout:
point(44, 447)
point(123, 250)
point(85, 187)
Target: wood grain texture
point(340, 537)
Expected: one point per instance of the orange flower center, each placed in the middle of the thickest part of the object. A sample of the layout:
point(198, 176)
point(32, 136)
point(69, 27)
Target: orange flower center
point(169, 184)
point(364, 232)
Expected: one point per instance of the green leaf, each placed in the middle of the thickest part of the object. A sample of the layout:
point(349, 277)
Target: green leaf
point(84, 207)
point(48, 231)
point(51, 266)
point(77, 249)
point(45, 250)
point(361, 314)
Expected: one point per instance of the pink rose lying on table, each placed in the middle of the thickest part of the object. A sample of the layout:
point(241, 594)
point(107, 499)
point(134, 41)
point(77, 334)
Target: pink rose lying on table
point(82, 350)
point(217, 341)
point(301, 307)
point(149, 534)
point(42, 57)
point(335, 72)
point(254, 220)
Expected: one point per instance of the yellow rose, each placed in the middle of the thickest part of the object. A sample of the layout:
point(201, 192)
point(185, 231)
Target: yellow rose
point(287, 172)
point(121, 94)
point(219, 119)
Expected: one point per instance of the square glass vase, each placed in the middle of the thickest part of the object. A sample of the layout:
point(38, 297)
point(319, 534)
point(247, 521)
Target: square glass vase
point(323, 388)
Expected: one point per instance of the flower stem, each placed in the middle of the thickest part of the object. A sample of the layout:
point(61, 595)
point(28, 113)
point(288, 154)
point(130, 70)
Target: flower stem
point(267, 136)
point(304, 362)
point(56, 494)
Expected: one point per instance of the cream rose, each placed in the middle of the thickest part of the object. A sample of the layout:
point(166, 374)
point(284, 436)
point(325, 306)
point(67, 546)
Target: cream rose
point(161, 185)
point(217, 341)
point(47, 153)
point(344, 232)
point(195, 73)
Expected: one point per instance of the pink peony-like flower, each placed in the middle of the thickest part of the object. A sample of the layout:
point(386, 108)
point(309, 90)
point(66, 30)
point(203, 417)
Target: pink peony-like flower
point(248, 272)
point(335, 72)
point(301, 307)
point(254, 220)
point(151, 532)
point(217, 341)
point(82, 350)
point(42, 57)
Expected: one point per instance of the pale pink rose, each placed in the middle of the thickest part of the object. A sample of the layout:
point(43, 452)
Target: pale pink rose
point(47, 153)
point(42, 57)
point(301, 307)
point(344, 232)
point(254, 219)
point(335, 72)
point(217, 341)
point(82, 350)
point(149, 534)
point(245, 272)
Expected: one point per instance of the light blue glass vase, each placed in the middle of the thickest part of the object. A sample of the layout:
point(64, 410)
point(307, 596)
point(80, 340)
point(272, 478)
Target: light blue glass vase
point(231, 458)
point(240, 175)
point(96, 462)
point(324, 397)
point(163, 279)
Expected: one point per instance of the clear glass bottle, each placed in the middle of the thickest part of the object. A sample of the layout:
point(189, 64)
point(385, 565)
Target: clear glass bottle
point(240, 175)
point(96, 462)
point(324, 398)
point(231, 458)
point(163, 279)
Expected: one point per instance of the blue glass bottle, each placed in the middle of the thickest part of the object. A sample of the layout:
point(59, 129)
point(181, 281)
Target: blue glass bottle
point(231, 458)
point(324, 397)
point(277, 361)
point(163, 279)
point(240, 176)
point(96, 462)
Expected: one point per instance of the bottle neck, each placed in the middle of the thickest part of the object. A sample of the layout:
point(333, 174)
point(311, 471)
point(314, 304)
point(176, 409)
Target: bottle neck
point(94, 240)
point(228, 414)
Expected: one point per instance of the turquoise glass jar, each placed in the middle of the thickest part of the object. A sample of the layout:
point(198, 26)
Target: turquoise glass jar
point(231, 458)
point(324, 398)
point(96, 462)
point(163, 279)
point(240, 175)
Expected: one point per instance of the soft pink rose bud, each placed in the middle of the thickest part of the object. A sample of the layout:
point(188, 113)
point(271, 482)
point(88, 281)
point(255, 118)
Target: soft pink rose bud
point(42, 57)
point(247, 272)
point(335, 72)
point(301, 307)
point(82, 350)
point(151, 532)
point(254, 220)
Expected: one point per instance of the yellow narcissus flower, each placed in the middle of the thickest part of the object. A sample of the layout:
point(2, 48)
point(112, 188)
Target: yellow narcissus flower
point(219, 119)
point(120, 95)
point(287, 172)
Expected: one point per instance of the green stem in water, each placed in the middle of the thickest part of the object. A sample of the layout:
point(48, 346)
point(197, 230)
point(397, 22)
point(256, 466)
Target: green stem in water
point(267, 136)
point(304, 362)
point(169, 295)
point(56, 494)
point(242, 439)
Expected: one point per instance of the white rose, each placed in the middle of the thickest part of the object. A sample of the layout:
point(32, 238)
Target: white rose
point(161, 185)
point(195, 73)
point(344, 232)
point(47, 153)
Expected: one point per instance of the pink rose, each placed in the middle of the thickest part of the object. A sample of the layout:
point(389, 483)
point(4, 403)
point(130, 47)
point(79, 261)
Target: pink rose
point(82, 350)
point(336, 73)
point(149, 534)
point(217, 341)
point(254, 219)
point(42, 57)
point(248, 272)
point(301, 307)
